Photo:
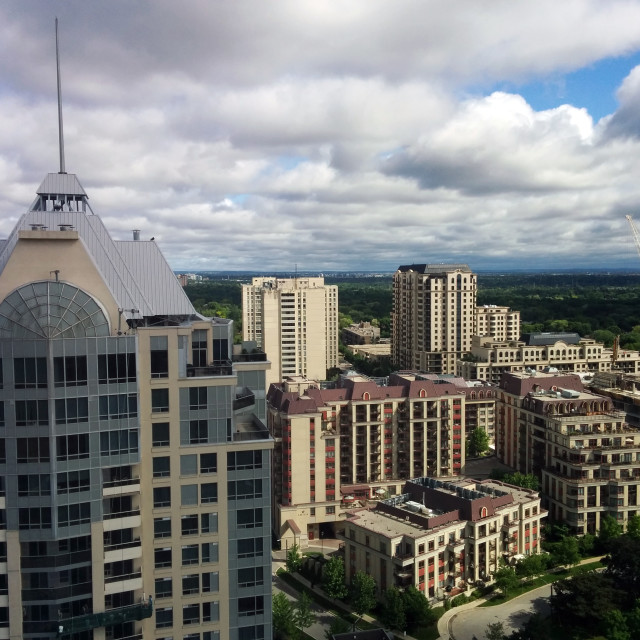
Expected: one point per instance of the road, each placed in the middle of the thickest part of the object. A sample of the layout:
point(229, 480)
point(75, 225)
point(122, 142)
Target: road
point(467, 623)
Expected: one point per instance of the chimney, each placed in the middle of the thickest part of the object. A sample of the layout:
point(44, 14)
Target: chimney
point(136, 234)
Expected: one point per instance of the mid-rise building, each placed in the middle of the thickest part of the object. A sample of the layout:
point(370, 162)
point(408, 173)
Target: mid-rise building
point(583, 450)
point(433, 316)
point(360, 333)
point(567, 352)
point(295, 321)
point(442, 535)
point(357, 442)
point(134, 467)
point(500, 323)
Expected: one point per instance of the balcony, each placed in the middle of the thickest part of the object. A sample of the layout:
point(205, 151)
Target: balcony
point(105, 619)
point(218, 368)
point(122, 520)
point(120, 487)
point(255, 356)
point(244, 399)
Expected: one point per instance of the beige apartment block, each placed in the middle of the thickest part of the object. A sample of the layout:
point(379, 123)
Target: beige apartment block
point(442, 536)
point(500, 323)
point(295, 321)
point(344, 446)
point(433, 316)
point(134, 462)
point(568, 352)
point(583, 450)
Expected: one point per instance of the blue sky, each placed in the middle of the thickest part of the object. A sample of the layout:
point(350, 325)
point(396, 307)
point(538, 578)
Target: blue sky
point(332, 135)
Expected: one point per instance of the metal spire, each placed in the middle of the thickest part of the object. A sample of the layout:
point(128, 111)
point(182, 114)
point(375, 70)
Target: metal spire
point(60, 130)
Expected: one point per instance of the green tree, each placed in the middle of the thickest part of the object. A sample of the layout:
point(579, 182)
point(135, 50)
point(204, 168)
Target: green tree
point(587, 544)
point(506, 580)
point(495, 631)
point(623, 566)
point(633, 526)
point(614, 626)
point(363, 593)
point(303, 617)
point(393, 609)
point(566, 552)
point(478, 442)
point(524, 480)
point(294, 559)
point(609, 530)
point(282, 608)
point(417, 610)
point(333, 578)
point(338, 625)
point(531, 566)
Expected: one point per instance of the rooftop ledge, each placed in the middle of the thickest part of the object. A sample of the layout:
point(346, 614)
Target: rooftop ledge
point(42, 234)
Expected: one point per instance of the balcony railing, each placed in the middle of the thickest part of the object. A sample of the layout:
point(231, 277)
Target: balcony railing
point(218, 368)
point(105, 619)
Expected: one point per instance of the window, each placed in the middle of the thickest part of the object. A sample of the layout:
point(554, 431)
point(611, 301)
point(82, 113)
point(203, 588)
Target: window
point(250, 577)
point(74, 514)
point(189, 495)
point(159, 400)
point(32, 412)
point(160, 434)
point(199, 347)
point(161, 497)
point(116, 368)
point(189, 525)
point(118, 406)
point(164, 618)
point(162, 557)
point(72, 410)
point(73, 447)
point(211, 582)
point(73, 481)
point(190, 554)
point(34, 518)
point(251, 606)
point(70, 371)
point(34, 485)
point(253, 632)
point(211, 611)
point(208, 492)
point(249, 518)
point(197, 398)
point(3, 452)
point(198, 431)
point(210, 552)
point(208, 462)
point(244, 489)
point(162, 467)
point(163, 587)
point(191, 613)
point(159, 356)
point(188, 465)
point(162, 527)
point(30, 373)
point(113, 443)
point(209, 522)
point(190, 584)
point(32, 450)
point(239, 460)
point(250, 548)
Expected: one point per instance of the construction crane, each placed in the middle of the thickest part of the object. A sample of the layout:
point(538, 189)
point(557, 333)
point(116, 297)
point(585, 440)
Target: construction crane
point(634, 231)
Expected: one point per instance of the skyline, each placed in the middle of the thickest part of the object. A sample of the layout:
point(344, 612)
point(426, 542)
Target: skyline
point(358, 136)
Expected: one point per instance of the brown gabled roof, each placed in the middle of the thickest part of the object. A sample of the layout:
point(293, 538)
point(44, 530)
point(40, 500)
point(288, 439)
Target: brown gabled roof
point(519, 385)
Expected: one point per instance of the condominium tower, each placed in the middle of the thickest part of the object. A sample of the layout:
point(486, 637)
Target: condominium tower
point(134, 467)
point(295, 321)
point(433, 316)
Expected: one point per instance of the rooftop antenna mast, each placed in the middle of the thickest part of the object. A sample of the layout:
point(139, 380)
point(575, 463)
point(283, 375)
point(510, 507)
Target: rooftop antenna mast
point(60, 130)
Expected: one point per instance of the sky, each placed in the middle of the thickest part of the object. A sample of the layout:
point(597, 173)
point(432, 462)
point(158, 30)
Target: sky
point(335, 135)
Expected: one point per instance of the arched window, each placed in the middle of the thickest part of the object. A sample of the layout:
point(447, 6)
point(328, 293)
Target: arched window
point(423, 393)
point(483, 512)
point(366, 395)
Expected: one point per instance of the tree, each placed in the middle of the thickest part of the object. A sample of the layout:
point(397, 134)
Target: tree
point(524, 480)
point(478, 442)
point(333, 578)
point(303, 617)
point(623, 566)
point(393, 609)
point(609, 530)
point(506, 580)
point(417, 610)
point(633, 527)
point(283, 626)
point(363, 593)
point(566, 552)
point(614, 626)
point(338, 625)
point(495, 631)
point(531, 566)
point(294, 559)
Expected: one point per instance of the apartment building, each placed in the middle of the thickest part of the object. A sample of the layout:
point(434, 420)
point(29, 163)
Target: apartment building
point(568, 352)
point(338, 447)
point(295, 321)
point(442, 536)
point(433, 316)
point(134, 467)
point(361, 333)
point(500, 323)
point(583, 450)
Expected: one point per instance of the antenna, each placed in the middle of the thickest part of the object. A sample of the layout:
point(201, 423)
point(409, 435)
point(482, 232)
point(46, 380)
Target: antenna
point(60, 131)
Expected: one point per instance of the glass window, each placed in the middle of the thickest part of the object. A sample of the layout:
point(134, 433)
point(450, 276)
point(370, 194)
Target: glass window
point(190, 554)
point(211, 611)
point(116, 368)
point(199, 347)
point(189, 465)
point(74, 447)
point(162, 467)
point(162, 527)
point(198, 432)
point(189, 525)
point(208, 462)
point(72, 410)
point(162, 557)
point(32, 412)
point(74, 514)
point(250, 577)
point(159, 400)
point(164, 618)
point(249, 518)
point(210, 552)
point(209, 492)
point(211, 582)
point(34, 518)
point(251, 606)
point(209, 522)
point(118, 406)
point(239, 460)
point(190, 584)
point(159, 356)
point(189, 495)
point(163, 588)
point(160, 434)
point(34, 485)
point(73, 481)
point(70, 371)
point(161, 497)
point(30, 373)
point(197, 398)
point(32, 450)
point(244, 489)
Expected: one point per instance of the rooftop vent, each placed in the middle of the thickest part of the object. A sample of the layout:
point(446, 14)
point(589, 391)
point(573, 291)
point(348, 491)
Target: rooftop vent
point(65, 227)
